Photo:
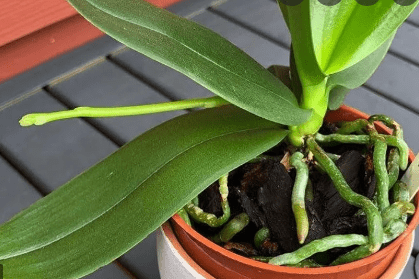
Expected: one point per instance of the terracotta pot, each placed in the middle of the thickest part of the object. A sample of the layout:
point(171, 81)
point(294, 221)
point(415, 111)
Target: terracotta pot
point(174, 262)
point(222, 263)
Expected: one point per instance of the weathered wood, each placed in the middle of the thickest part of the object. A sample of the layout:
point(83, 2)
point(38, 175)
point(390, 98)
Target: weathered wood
point(265, 52)
point(106, 85)
point(52, 154)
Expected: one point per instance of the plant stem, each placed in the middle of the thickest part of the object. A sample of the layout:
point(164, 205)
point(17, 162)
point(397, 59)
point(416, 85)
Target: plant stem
point(42, 118)
point(315, 97)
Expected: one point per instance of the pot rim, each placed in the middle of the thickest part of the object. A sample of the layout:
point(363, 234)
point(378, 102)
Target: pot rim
point(318, 270)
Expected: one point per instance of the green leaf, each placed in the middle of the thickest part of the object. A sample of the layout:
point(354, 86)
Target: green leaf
point(197, 52)
point(337, 96)
point(348, 32)
point(340, 83)
point(105, 211)
point(299, 24)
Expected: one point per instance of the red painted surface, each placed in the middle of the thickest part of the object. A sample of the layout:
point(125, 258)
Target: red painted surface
point(34, 31)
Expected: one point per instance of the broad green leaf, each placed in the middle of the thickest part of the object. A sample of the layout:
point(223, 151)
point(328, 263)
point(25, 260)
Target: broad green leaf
point(348, 32)
point(340, 83)
point(105, 211)
point(197, 52)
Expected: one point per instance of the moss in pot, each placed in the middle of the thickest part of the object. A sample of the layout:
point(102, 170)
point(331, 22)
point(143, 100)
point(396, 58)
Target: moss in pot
point(128, 195)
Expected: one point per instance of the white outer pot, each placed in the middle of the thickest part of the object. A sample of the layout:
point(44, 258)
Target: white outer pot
point(173, 261)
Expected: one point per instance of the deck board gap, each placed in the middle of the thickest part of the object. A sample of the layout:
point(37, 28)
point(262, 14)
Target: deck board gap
point(411, 22)
point(25, 173)
point(249, 27)
point(37, 185)
point(114, 138)
point(403, 57)
point(391, 99)
point(149, 82)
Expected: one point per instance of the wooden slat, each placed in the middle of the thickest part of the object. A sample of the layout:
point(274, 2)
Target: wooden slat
point(110, 271)
point(54, 153)
point(263, 51)
point(409, 271)
point(371, 103)
point(414, 17)
point(15, 192)
point(20, 18)
point(406, 43)
point(142, 259)
point(65, 64)
point(50, 155)
point(263, 16)
point(107, 85)
point(174, 84)
point(397, 80)
point(50, 27)
point(30, 51)
point(189, 8)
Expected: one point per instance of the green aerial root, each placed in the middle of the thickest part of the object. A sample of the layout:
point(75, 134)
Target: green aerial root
point(261, 236)
point(332, 138)
point(319, 245)
point(374, 221)
point(298, 196)
point(380, 170)
point(356, 126)
point(233, 227)
point(393, 167)
point(400, 192)
point(397, 210)
point(355, 254)
point(184, 215)
point(393, 229)
point(42, 118)
point(198, 215)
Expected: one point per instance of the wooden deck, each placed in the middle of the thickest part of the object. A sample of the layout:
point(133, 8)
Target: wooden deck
point(36, 160)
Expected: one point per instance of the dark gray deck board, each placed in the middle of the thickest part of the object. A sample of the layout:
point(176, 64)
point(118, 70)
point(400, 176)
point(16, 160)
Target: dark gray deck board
point(52, 153)
point(414, 17)
point(110, 271)
point(107, 85)
point(398, 80)
point(51, 70)
point(262, 50)
point(406, 43)
point(174, 84)
point(189, 8)
point(371, 103)
point(16, 193)
point(409, 271)
point(142, 259)
point(263, 16)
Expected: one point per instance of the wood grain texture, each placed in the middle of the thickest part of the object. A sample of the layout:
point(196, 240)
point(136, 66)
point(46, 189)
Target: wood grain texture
point(27, 52)
point(32, 32)
point(20, 18)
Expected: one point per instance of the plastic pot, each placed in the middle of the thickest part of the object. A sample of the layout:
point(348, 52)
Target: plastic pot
point(174, 262)
point(221, 263)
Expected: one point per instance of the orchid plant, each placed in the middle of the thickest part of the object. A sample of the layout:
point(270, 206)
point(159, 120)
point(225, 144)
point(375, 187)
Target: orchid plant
point(105, 211)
